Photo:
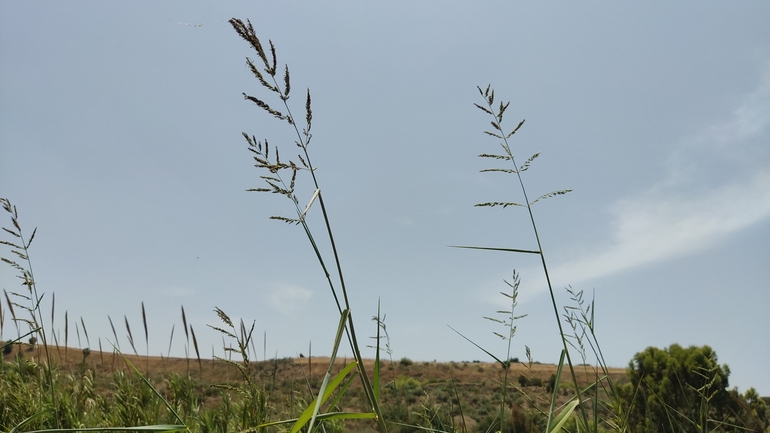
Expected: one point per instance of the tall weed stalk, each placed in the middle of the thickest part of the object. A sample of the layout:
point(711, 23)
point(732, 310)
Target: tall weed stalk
point(578, 317)
point(281, 179)
point(20, 248)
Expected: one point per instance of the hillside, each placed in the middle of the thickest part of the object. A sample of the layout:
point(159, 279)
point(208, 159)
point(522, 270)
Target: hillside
point(409, 389)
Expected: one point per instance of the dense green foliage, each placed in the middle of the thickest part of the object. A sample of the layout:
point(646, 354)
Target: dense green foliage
point(685, 390)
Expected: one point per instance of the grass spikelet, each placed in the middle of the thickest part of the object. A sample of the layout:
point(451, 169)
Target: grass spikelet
point(263, 105)
point(184, 325)
point(488, 155)
point(146, 336)
point(286, 82)
point(246, 31)
point(498, 203)
point(259, 75)
point(271, 70)
point(130, 336)
point(66, 335)
point(114, 334)
point(514, 129)
point(77, 333)
point(224, 318)
point(187, 337)
point(195, 345)
point(85, 331)
point(10, 308)
point(53, 309)
point(525, 166)
point(308, 114)
point(551, 194)
point(170, 340)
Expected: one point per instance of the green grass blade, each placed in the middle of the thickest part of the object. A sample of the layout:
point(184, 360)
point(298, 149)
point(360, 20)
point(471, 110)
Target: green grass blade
point(28, 420)
point(474, 343)
point(563, 416)
point(323, 417)
point(342, 390)
point(147, 382)
point(509, 250)
point(555, 392)
point(311, 412)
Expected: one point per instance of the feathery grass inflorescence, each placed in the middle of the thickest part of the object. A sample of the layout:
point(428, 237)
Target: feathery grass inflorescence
point(281, 179)
point(580, 319)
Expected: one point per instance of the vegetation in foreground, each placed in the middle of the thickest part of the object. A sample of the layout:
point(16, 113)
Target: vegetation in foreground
point(670, 390)
point(100, 389)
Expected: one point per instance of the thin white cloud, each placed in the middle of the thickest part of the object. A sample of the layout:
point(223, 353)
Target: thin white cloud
point(697, 204)
point(654, 228)
point(750, 119)
point(288, 298)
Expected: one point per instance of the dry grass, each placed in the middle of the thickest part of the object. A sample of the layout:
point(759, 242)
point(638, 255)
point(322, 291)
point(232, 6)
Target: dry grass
point(470, 378)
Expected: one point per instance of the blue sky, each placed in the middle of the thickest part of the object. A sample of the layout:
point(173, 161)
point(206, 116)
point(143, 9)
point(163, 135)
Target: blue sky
point(120, 139)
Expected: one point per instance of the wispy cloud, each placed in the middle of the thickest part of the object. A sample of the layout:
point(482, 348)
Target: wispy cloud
point(679, 215)
point(750, 119)
point(289, 298)
point(718, 183)
point(655, 227)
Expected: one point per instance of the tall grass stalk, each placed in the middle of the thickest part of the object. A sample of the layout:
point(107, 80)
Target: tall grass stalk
point(509, 324)
point(20, 248)
point(579, 318)
point(285, 186)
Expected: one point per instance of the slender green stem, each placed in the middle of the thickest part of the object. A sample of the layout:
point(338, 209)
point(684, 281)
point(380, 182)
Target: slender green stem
point(36, 306)
point(351, 328)
point(542, 258)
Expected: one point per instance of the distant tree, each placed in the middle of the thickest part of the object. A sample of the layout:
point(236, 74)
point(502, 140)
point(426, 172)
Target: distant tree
point(677, 390)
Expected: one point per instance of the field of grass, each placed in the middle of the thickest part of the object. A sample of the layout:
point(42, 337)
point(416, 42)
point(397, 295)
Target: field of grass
point(410, 390)
point(45, 386)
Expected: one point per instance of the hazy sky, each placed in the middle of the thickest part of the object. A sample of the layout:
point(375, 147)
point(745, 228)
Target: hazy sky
point(120, 139)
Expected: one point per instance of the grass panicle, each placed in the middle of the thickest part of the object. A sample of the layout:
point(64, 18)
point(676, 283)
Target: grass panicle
point(284, 184)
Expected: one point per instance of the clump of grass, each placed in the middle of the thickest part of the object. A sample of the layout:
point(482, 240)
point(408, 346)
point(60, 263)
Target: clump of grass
point(253, 408)
point(35, 401)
